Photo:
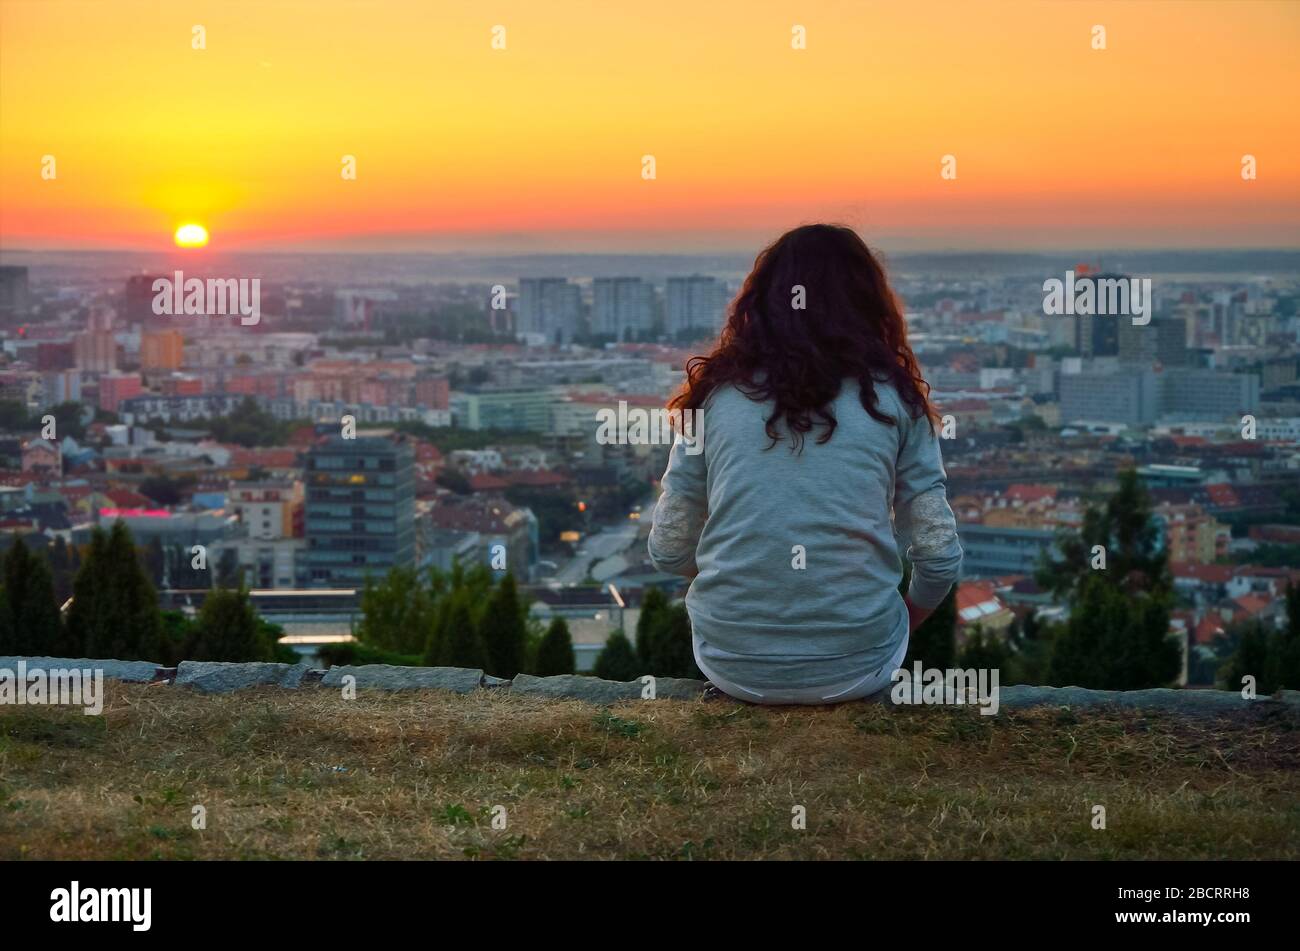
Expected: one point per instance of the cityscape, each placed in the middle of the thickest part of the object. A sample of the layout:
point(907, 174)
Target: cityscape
point(756, 432)
point(476, 405)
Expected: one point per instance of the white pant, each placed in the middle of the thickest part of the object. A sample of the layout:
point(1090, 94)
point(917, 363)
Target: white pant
point(853, 689)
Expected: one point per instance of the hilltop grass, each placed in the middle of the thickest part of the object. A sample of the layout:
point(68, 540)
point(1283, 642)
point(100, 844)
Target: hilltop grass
point(305, 774)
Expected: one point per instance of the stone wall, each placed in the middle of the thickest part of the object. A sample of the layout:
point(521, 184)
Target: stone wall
point(223, 678)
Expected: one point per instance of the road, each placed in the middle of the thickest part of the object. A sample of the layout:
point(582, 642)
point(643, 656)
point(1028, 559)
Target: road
point(610, 540)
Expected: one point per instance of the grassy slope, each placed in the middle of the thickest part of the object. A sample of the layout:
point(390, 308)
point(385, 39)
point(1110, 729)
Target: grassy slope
point(421, 773)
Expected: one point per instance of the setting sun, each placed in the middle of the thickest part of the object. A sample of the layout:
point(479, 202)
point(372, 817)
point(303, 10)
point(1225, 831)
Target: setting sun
point(191, 236)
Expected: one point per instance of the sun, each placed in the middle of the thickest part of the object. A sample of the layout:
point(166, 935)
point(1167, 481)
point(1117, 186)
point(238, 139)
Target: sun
point(191, 236)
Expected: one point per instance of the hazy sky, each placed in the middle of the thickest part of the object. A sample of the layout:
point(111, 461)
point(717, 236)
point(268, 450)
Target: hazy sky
point(539, 146)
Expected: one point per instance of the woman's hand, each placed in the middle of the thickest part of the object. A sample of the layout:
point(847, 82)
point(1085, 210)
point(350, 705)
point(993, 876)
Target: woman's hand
point(915, 616)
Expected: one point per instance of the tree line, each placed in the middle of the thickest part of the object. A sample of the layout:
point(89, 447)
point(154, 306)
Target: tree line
point(466, 618)
point(1113, 574)
point(461, 618)
point(114, 612)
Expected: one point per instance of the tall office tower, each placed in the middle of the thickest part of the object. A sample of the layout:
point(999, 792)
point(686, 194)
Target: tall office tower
point(550, 308)
point(694, 303)
point(13, 290)
point(60, 386)
point(1097, 335)
point(1163, 341)
point(162, 350)
point(140, 297)
point(101, 319)
point(622, 307)
point(360, 509)
point(95, 351)
point(1225, 315)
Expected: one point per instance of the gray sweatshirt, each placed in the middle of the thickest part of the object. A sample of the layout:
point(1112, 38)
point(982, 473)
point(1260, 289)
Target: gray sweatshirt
point(798, 557)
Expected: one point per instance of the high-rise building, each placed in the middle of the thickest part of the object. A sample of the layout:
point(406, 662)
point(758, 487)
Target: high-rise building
point(360, 507)
point(694, 303)
point(622, 307)
point(550, 309)
point(162, 350)
point(140, 297)
point(60, 386)
point(13, 290)
point(1162, 341)
point(95, 351)
point(1097, 335)
point(101, 319)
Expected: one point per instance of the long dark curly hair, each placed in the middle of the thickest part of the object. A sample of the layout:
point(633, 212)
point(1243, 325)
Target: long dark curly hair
point(850, 325)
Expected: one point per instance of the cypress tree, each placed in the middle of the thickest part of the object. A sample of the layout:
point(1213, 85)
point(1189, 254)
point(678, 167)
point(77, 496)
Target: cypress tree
point(1114, 642)
point(31, 626)
point(555, 653)
point(114, 613)
point(649, 626)
point(504, 630)
point(63, 567)
point(670, 652)
point(396, 613)
point(228, 630)
point(934, 643)
point(618, 661)
point(983, 651)
point(459, 643)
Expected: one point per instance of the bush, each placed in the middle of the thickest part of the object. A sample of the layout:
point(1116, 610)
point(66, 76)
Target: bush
point(355, 654)
point(228, 629)
point(618, 661)
point(555, 653)
point(29, 616)
point(504, 630)
point(114, 612)
point(457, 643)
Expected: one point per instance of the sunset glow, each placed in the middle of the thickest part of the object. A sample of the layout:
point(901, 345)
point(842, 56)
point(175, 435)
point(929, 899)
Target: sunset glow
point(191, 236)
point(454, 141)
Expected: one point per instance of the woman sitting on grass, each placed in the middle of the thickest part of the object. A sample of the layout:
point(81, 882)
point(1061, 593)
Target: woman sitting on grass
point(790, 543)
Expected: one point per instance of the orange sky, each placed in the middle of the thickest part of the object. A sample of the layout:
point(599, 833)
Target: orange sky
point(458, 144)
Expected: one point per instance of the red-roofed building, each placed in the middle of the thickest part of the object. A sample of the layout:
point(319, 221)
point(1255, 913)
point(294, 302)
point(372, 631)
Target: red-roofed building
point(1207, 629)
point(42, 456)
point(486, 482)
point(978, 604)
point(129, 499)
point(1222, 496)
point(427, 452)
point(537, 478)
point(1204, 574)
point(303, 436)
point(1253, 606)
point(1021, 494)
point(271, 459)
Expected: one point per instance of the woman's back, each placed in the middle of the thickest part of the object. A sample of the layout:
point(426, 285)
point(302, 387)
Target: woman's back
point(814, 422)
point(798, 563)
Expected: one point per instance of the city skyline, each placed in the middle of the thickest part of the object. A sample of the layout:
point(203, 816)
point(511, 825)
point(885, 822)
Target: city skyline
point(540, 145)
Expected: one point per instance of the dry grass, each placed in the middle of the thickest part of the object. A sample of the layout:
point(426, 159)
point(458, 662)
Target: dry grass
point(305, 774)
